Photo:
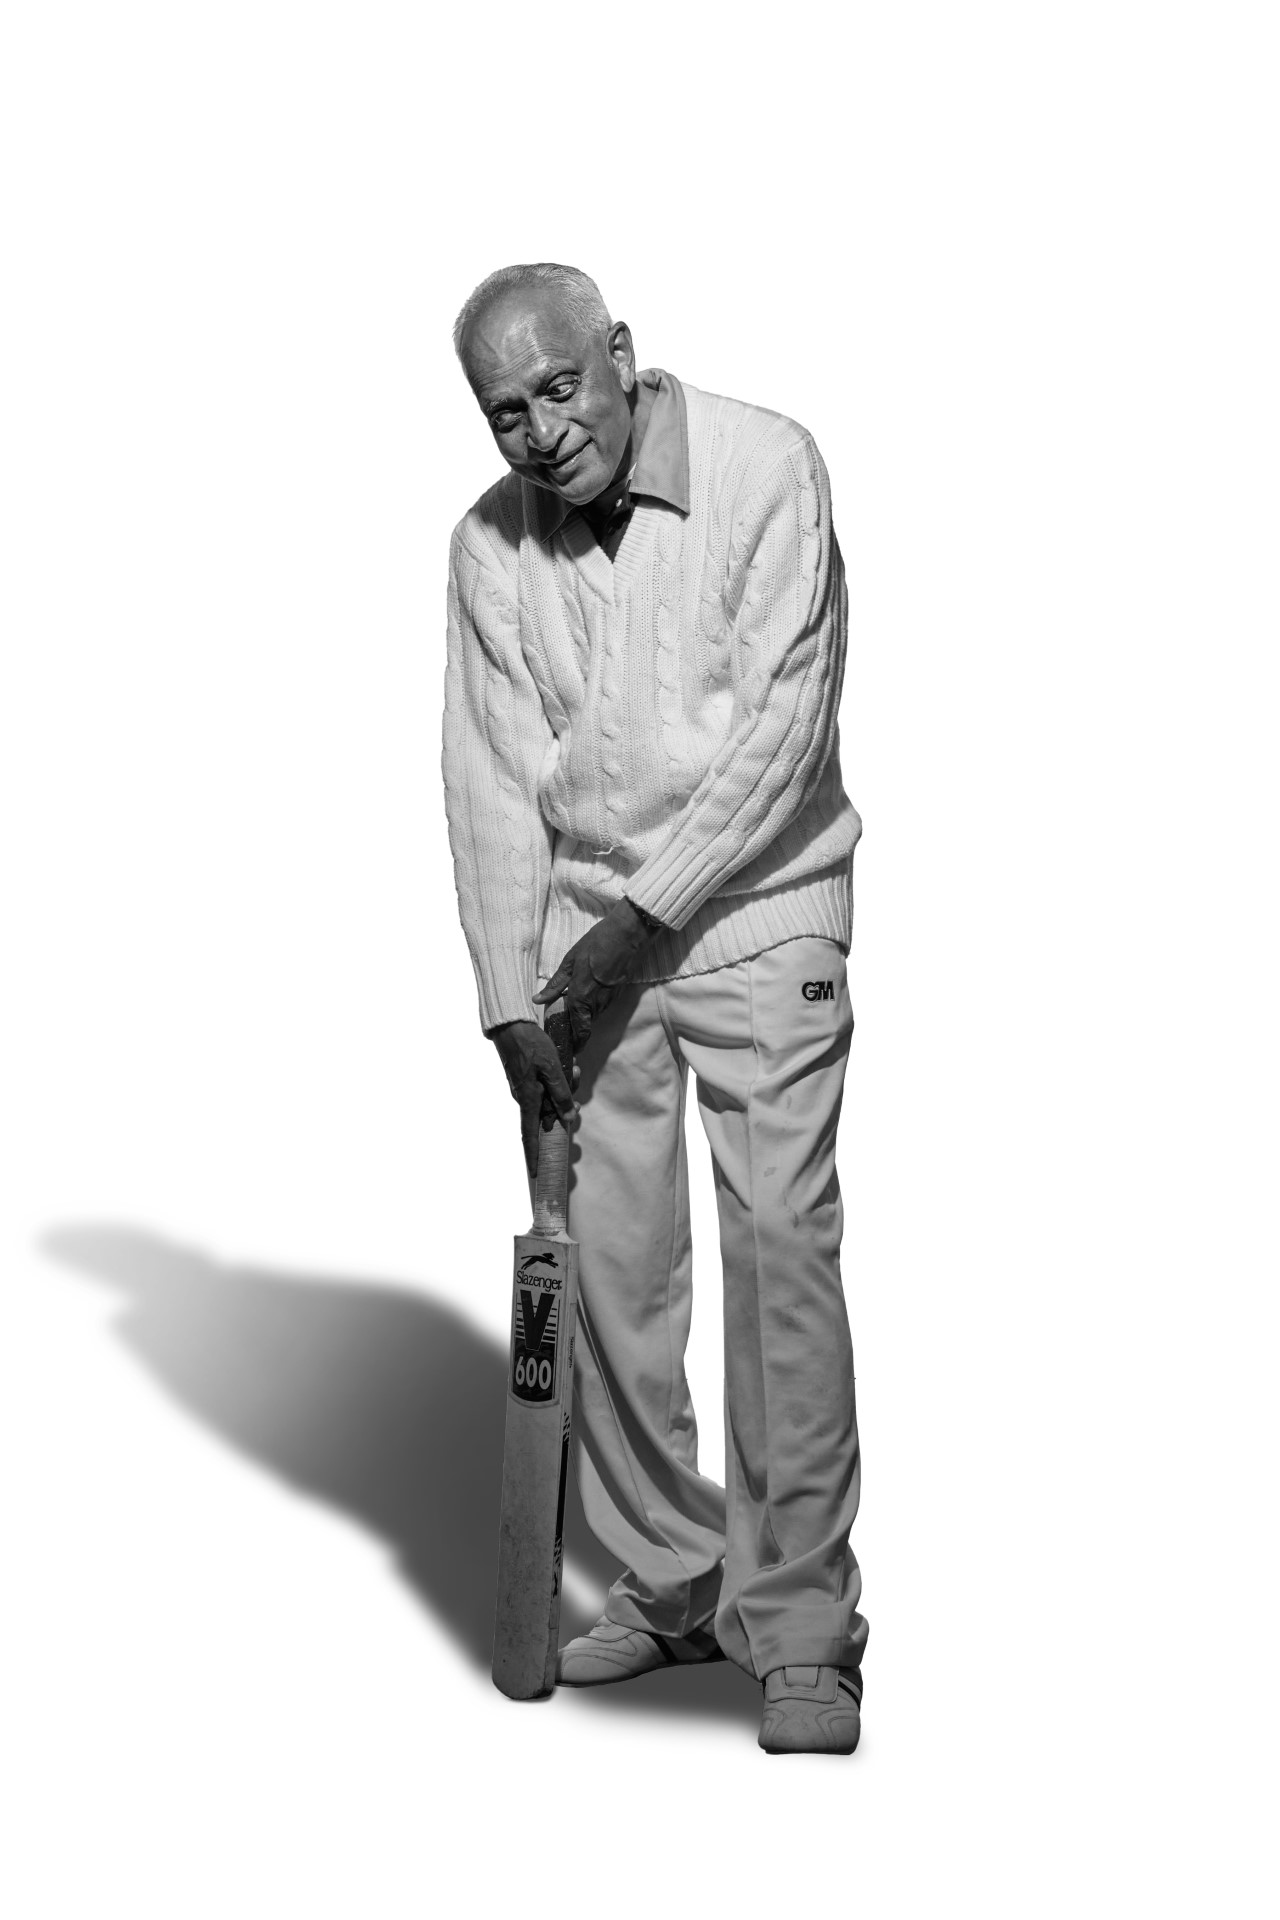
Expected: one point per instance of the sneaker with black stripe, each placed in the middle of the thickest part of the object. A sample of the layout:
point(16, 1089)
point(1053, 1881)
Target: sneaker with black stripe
point(611, 1652)
point(811, 1710)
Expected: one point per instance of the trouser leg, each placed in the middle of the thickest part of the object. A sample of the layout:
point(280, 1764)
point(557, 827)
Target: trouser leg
point(635, 1440)
point(770, 1062)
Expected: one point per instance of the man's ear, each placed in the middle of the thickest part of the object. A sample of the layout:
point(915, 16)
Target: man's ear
point(622, 353)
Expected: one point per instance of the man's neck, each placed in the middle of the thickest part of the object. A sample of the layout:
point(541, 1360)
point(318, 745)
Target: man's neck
point(642, 399)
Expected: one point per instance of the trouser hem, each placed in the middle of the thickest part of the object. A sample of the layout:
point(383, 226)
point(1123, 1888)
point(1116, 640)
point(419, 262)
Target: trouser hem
point(671, 1618)
point(807, 1653)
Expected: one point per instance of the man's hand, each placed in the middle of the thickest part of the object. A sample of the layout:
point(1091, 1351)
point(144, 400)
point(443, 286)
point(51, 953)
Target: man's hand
point(536, 1079)
point(597, 965)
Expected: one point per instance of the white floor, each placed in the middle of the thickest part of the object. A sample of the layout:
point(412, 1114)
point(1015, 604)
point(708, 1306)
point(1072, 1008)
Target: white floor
point(258, 1172)
point(252, 1402)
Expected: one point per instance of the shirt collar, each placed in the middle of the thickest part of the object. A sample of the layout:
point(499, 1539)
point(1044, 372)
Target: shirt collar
point(661, 471)
point(662, 465)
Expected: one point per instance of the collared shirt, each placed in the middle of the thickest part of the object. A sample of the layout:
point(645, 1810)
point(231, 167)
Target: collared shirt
point(661, 470)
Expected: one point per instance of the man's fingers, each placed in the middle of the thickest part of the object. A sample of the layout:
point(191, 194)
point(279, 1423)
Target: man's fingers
point(553, 989)
point(579, 1025)
point(558, 1093)
point(529, 1111)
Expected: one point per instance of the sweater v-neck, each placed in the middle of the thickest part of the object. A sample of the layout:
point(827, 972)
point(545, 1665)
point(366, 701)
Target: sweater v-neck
point(611, 580)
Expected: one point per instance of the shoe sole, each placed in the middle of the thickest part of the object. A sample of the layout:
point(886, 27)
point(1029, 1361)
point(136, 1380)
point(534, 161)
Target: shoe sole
point(613, 1679)
point(834, 1753)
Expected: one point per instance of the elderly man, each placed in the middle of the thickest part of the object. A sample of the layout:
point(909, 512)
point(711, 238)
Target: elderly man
point(646, 644)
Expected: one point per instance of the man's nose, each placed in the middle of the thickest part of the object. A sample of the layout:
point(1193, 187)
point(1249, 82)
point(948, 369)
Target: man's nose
point(543, 430)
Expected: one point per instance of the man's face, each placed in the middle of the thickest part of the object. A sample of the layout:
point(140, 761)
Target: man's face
point(556, 401)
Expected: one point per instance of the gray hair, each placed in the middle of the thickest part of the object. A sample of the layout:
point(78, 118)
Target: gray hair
point(580, 297)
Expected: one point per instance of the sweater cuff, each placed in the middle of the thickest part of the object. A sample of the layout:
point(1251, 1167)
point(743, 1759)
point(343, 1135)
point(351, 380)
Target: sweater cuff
point(672, 884)
point(505, 980)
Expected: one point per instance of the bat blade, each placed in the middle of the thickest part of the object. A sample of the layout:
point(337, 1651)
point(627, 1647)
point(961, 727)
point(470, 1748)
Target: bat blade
point(535, 1464)
point(544, 1306)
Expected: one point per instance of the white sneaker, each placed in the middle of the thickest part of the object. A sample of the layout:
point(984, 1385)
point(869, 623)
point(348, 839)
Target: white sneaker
point(611, 1652)
point(811, 1710)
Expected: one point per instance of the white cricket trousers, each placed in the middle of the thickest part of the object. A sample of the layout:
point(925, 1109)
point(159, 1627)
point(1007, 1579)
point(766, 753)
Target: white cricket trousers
point(768, 1554)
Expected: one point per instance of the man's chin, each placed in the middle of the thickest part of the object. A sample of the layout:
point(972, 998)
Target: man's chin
point(576, 489)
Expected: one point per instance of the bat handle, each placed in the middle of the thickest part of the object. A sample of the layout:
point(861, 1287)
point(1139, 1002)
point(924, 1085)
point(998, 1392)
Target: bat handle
point(551, 1188)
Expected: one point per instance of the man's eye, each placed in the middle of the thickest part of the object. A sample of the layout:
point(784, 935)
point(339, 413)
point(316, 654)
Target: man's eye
point(561, 389)
point(502, 422)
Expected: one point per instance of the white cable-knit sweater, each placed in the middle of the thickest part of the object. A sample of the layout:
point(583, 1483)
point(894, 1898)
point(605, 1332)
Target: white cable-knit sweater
point(663, 725)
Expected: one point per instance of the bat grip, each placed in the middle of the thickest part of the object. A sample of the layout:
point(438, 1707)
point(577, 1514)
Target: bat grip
point(551, 1187)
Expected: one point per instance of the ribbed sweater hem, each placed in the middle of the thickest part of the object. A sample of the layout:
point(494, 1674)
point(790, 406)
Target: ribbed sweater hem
point(727, 929)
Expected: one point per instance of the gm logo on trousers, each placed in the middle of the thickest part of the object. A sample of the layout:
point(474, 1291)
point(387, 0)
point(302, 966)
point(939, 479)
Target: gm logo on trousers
point(819, 990)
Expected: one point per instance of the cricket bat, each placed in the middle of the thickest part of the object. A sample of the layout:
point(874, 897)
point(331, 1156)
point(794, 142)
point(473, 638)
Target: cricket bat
point(544, 1305)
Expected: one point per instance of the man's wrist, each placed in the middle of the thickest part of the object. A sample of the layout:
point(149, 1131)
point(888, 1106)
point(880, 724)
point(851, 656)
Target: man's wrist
point(647, 920)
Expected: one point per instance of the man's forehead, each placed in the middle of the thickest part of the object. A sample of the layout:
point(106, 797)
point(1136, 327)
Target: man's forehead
point(520, 341)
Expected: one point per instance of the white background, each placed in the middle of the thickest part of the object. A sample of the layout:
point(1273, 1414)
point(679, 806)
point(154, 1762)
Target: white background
point(1015, 268)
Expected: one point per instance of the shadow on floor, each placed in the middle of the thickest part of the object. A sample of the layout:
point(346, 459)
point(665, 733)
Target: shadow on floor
point(385, 1404)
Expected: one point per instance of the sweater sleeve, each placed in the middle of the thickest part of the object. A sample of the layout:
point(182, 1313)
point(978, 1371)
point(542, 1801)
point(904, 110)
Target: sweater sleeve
point(496, 737)
point(787, 612)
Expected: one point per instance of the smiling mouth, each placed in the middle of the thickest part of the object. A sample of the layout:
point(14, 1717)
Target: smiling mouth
point(558, 466)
